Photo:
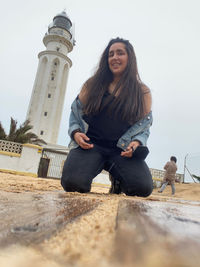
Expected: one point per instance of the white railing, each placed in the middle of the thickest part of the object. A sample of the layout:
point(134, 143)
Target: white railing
point(160, 174)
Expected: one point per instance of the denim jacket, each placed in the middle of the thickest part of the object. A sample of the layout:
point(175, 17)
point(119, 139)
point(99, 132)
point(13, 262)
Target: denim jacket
point(138, 131)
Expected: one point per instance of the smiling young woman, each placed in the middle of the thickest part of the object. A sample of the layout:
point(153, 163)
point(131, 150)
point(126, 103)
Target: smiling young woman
point(117, 60)
point(109, 119)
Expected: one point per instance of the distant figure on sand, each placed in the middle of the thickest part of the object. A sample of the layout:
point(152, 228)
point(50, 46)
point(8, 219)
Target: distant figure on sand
point(109, 126)
point(169, 177)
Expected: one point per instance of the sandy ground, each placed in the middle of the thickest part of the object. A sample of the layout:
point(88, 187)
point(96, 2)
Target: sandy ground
point(20, 184)
point(86, 241)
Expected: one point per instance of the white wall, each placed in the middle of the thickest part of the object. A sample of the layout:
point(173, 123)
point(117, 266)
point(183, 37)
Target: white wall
point(102, 178)
point(27, 162)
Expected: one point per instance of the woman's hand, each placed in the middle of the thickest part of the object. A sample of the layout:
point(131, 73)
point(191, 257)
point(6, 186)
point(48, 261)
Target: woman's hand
point(81, 139)
point(129, 151)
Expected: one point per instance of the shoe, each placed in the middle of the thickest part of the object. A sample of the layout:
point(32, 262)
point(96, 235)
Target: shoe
point(115, 186)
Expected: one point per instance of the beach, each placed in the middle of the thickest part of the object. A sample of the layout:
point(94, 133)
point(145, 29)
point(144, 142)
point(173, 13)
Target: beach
point(89, 238)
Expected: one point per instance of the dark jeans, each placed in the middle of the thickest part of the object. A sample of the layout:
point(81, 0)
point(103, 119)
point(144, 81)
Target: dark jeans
point(82, 166)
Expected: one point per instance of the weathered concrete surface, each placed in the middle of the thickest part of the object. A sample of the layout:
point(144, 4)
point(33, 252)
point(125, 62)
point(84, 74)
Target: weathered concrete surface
point(36, 215)
point(31, 218)
point(147, 232)
point(154, 233)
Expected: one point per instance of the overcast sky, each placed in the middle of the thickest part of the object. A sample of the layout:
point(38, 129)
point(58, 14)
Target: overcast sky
point(165, 35)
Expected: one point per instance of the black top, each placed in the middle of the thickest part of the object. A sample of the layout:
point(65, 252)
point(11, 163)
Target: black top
point(104, 128)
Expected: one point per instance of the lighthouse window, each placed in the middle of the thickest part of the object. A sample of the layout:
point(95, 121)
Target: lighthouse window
point(55, 63)
point(57, 48)
point(49, 95)
point(52, 78)
point(41, 132)
point(45, 113)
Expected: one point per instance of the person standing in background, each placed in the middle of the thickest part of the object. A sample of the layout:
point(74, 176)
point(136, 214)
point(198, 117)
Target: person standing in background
point(169, 177)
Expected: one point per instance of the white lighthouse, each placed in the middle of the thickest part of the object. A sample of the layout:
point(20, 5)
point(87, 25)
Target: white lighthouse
point(46, 104)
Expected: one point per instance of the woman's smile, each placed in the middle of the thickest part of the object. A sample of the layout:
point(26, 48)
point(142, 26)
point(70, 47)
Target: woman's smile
point(117, 58)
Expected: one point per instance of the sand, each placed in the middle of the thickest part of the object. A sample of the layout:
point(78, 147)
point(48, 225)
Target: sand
point(86, 241)
point(20, 184)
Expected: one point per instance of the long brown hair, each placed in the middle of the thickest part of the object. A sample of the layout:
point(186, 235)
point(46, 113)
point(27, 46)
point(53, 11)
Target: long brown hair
point(129, 103)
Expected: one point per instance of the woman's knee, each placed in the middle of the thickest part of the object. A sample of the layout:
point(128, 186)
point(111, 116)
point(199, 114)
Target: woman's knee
point(141, 190)
point(71, 184)
point(80, 167)
point(72, 179)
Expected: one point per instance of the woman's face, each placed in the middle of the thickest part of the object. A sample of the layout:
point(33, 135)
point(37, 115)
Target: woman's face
point(117, 58)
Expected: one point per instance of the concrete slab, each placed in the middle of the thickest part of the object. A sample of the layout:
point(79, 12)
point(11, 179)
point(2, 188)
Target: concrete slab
point(154, 233)
point(30, 218)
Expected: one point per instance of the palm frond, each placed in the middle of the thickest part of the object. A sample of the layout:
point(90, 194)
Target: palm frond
point(38, 141)
point(12, 133)
point(196, 177)
point(2, 133)
point(22, 134)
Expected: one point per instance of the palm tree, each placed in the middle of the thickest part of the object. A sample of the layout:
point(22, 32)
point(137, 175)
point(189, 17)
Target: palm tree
point(2, 133)
point(21, 135)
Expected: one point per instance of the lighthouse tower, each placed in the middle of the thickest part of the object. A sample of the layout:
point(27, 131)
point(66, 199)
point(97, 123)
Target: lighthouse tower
point(46, 104)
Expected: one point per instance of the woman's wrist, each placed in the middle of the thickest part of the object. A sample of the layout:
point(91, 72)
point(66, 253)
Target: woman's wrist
point(139, 143)
point(75, 131)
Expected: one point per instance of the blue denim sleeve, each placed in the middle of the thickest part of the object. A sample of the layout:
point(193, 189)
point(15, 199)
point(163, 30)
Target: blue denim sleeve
point(75, 119)
point(139, 131)
point(142, 137)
